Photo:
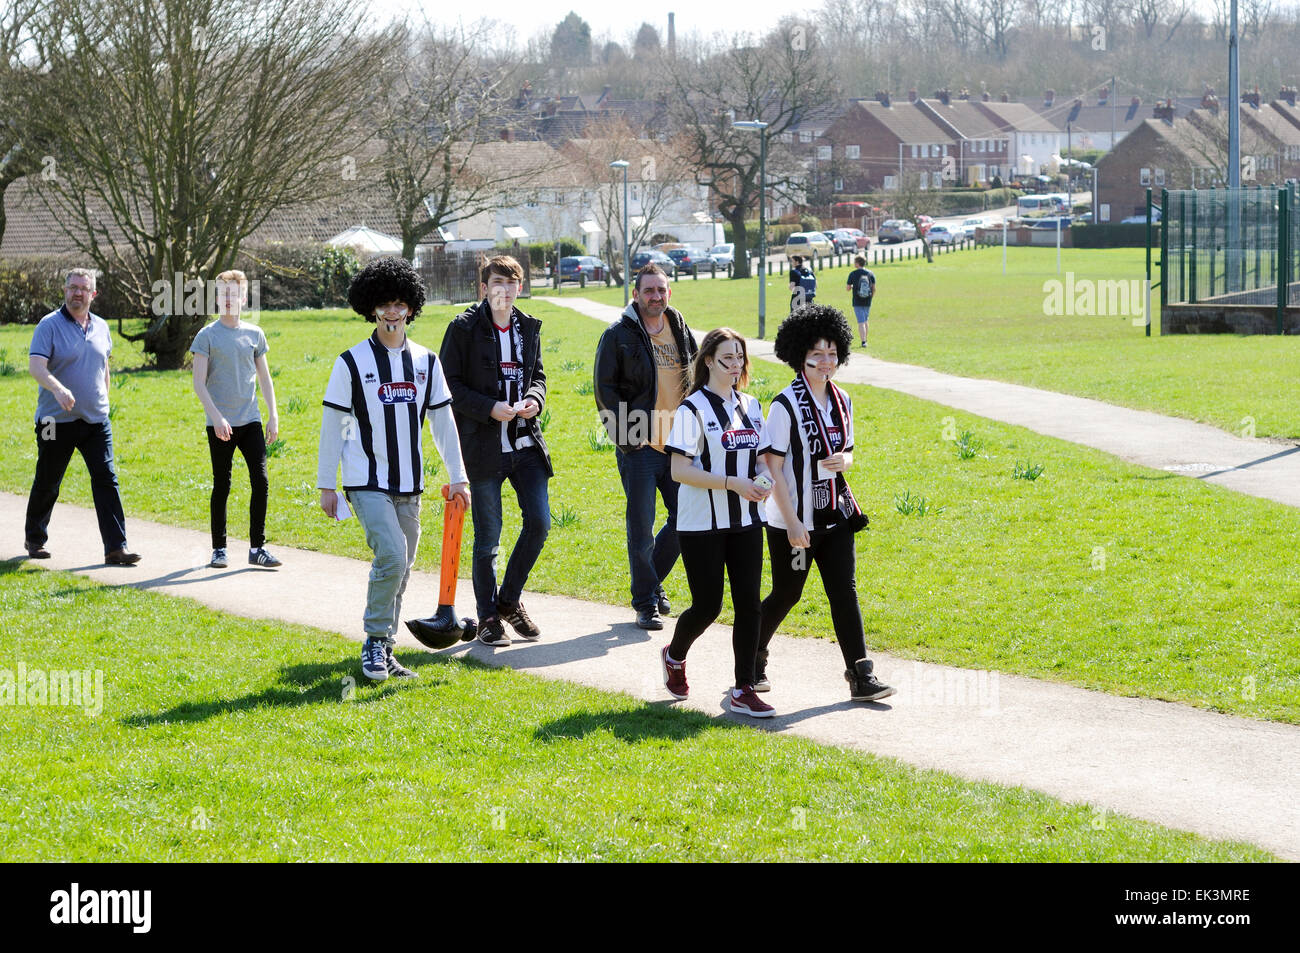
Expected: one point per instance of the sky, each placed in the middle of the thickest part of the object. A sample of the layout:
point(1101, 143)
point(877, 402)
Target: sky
point(532, 16)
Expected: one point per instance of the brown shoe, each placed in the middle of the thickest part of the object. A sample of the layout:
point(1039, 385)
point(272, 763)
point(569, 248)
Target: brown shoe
point(120, 557)
point(36, 551)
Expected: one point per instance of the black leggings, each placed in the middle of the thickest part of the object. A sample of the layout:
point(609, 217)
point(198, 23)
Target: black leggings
point(832, 551)
point(252, 444)
point(703, 558)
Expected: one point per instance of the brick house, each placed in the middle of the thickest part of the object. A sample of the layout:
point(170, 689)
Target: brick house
point(877, 140)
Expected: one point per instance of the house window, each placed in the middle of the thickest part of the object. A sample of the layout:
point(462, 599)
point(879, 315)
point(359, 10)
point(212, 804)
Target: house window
point(936, 179)
point(924, 183)
point(786, 137)
point(995, 170)
point(891, 183)
point(823, 152)
point(934, 151)
point(852, 152)
point(914, 152)
point(1145, 175)
point(839, 185)
point(1160, 176)
point(805, 136)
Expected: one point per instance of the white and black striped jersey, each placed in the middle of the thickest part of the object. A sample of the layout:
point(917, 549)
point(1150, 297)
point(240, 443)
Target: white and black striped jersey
point(786, 438)
point(724, 437)
point(510, 385)
point(387, 393)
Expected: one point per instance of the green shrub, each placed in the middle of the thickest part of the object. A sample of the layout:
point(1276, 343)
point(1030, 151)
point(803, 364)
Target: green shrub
point(300, 276)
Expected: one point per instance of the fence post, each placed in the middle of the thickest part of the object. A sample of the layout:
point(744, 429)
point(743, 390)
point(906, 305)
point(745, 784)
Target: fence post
point(1194, 293)
point(1284, 258)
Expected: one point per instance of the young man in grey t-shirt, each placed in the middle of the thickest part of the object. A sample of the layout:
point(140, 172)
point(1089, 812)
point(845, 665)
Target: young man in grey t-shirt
point(229, 363)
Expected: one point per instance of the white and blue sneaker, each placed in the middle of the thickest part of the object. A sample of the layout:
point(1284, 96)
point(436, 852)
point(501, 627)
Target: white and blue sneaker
point(260, 557)
point(219, 560)
point(395, 668)
point(374, 660)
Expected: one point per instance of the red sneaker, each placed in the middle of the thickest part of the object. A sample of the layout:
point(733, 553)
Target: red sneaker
point(674, 676)
point(748, 703)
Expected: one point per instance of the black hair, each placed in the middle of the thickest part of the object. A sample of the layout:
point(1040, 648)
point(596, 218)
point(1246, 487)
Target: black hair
point(385, 280)
point(805, 327)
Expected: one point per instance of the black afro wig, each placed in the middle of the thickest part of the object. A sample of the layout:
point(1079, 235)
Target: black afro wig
point(385, 280)
point(808, 325)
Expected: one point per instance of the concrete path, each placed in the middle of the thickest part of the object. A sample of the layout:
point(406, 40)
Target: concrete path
point(1220, 776)
point(1258, 467)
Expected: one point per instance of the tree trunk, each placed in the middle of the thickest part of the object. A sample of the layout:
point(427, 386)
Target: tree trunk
point(740, 238)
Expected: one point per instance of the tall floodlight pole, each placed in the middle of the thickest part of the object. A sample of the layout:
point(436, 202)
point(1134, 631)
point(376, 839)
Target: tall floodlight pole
point(761, 129)
point(1234, 159)
point(627, 255)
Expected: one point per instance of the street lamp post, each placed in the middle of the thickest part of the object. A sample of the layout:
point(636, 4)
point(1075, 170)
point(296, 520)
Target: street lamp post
point(761, 129)
point(627, 256)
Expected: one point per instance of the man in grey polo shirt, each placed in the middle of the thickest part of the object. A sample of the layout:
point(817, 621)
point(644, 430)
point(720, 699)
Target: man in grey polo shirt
point(69, 359)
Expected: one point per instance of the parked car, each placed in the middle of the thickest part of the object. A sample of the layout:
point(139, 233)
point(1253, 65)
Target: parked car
point(844, 240)
point(971, 224)
point(895, 230)
point(859, 236)
point(643, 258)
point(808, 244)
point(690, 261)
point(945, 234)
point(1141, 219)
point(724, 254)
point(574, 266)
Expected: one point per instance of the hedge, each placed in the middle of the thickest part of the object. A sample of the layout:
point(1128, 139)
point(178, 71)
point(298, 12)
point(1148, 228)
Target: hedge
point(1112, 236)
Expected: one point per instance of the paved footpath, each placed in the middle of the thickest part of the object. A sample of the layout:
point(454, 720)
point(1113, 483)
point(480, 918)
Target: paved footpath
point(1217, 775)
point(1258, 467)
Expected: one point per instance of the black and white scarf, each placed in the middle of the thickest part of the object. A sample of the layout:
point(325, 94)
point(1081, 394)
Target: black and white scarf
point(832, 500)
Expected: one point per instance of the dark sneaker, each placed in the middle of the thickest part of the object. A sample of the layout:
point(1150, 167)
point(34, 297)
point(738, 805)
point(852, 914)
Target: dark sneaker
point(260, 557)
point(674, 676)
point(374, 666)
point(395, 668)
point(492, 632)
point(519, 621)
point(665, 607)
point(761, 684)
point(121, 557)
point(863, 685)
point(36, 550)
point(743, 701)
point(648, 618)
point(219, 560)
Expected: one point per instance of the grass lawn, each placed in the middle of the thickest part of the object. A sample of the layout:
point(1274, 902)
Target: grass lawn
point(961, 315)
point(1098, 573)
point(198, 755)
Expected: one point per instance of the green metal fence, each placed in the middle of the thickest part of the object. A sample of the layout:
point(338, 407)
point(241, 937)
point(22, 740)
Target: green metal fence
point(1229, 246)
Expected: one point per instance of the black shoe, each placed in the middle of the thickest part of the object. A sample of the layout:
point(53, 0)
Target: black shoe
point(120, 557)
point(36, 551)
point(863, 685)
point(665, 607)
point(492, 632)
point(648, 618)
point(519, 621)
point(761, 684)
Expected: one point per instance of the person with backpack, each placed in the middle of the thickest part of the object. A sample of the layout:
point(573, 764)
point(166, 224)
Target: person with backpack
point(862, 285)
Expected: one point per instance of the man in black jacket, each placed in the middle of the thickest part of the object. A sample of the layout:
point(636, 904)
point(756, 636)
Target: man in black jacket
point(492, 356)
point(642, 366)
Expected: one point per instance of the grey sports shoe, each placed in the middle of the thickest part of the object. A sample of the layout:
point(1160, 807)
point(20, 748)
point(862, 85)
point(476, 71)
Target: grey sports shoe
point(219, 560)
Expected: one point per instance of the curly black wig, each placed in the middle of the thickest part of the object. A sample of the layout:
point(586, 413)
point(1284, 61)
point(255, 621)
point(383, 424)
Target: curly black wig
point(806, 326)
point(385, 280)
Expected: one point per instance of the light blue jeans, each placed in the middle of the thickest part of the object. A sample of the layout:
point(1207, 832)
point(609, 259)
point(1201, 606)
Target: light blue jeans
point(392, 525)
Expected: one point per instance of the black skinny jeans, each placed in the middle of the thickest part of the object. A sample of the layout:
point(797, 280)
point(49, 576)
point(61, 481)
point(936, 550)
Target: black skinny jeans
point(832, 551)
point(251, 442)
point(704, 557)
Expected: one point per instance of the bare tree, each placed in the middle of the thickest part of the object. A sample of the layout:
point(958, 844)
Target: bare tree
point(1149, 15)
point(778, 81)
point(181, 125)
point(433, 116)
point(911, 201)
point(22, 60)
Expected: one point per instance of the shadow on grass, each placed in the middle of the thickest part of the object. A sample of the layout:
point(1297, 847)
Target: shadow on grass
point(654, 720)
point(298, 685)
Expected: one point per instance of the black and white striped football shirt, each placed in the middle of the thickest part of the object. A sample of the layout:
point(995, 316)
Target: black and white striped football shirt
point(724, 437)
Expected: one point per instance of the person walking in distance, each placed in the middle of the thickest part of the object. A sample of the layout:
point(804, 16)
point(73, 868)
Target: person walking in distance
point(492, 354)
point(811, 514)
point(717, 445)
point(862, 285)
point(640, 376)
point(379, 394)
point(229, 364)
point(68, 358)
point(803, 283)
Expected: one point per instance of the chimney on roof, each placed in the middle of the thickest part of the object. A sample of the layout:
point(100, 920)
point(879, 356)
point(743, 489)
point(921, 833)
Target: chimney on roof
point(1209, 101)
point(525, 93)
point(1049, 97)
point(1005, 97)
point(1164, 109)
point(964, 94)
point(1287, 94)
point(672, 36)
point(985, 97)
point(507, 135)
point(882, 97)
point(911, 95)
point(1251, 98)
point(943, 95)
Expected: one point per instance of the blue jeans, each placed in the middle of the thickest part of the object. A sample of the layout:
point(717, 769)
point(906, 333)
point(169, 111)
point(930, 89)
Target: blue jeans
point(651, 557)
point(526, 471)
point(95, 444)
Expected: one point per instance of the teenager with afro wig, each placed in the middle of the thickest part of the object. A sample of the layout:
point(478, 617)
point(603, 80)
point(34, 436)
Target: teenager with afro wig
point(811, 513)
